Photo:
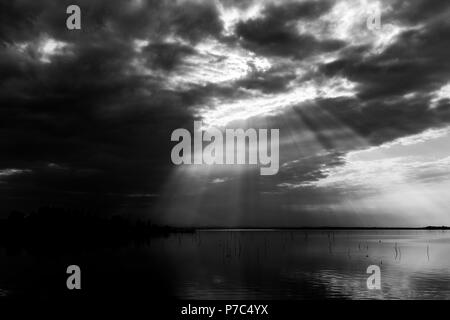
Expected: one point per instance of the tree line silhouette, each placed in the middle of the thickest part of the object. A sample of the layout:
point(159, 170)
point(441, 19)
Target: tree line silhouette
point(53, 228)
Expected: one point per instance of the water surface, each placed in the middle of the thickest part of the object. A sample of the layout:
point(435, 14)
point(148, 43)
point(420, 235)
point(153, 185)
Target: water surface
point(250, 264)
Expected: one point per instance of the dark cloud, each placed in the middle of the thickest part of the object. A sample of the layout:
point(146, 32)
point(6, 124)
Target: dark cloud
point(375, 120)
point(166, 55)
point(92, 125)
point(395, 88)
point(419, 11)
point(86, 111)
point(124, 19)
point(275, 33)
point(267, 82)
point(416, 62)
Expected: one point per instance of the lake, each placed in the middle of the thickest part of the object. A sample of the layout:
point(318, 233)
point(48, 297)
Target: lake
point(243, 264)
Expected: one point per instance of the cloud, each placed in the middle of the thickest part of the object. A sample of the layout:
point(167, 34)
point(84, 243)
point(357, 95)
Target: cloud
point(414, 159)
point(256, 103)
point(273, 32)
point(11, 172)
point(395, 71)
point(439, 95)
point(90, 113)
point(218, 180)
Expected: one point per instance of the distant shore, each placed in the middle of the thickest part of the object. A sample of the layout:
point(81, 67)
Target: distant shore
point(318, 228)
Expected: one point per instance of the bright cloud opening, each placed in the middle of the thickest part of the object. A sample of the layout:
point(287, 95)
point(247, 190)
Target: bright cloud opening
point(49, 47)
point(221, 113)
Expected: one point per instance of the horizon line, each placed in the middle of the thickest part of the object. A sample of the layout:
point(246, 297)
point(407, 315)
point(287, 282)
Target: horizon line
point(319, 228)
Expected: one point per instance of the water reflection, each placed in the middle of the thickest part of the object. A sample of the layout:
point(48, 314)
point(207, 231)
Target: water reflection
point(314, 264)
point(237, 264)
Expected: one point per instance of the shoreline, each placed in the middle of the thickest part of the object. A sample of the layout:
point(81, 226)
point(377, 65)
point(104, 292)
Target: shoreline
point(315, 228)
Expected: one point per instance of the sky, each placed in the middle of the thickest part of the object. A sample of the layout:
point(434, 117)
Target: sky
point(364, 113)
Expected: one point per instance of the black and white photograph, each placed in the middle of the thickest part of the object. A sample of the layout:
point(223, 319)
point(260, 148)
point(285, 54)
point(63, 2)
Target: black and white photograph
point(241, 151)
